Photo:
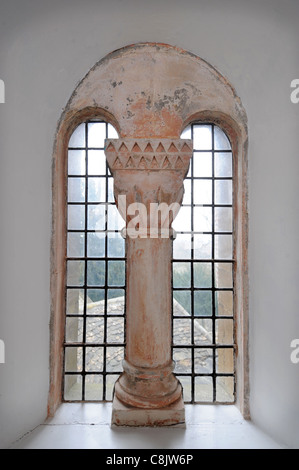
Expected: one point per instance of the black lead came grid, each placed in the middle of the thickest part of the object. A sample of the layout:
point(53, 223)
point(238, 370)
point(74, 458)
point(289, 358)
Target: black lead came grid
point(95, 292)
point(203, 343)
point(203, 330)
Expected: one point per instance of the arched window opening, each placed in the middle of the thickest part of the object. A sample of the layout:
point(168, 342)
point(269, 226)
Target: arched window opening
point(209, 265)
point(203, 267)
point(95, 281)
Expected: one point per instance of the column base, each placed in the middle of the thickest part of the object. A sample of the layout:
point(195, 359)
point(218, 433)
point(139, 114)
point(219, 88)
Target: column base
point(124, 415)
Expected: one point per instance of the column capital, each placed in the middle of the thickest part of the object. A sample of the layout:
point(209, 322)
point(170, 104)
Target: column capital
point(149, 154)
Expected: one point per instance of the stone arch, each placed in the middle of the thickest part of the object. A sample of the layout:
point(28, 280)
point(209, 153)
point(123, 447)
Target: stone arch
point(151, 90)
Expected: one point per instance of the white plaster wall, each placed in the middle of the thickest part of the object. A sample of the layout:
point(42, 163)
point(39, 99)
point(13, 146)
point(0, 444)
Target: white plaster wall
point(45, 50)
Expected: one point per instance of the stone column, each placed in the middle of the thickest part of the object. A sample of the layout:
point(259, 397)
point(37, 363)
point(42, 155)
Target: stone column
point(148, 188)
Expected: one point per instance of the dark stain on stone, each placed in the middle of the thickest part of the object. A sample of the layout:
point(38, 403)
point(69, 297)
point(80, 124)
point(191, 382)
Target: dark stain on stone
point(149, 103)
point(130, 114)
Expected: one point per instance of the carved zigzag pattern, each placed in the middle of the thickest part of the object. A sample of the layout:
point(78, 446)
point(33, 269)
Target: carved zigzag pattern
point(143, 154)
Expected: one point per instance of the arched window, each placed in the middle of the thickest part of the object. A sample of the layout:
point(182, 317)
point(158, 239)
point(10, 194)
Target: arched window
point(95, 281)
point(135, 90)
point(203, 330)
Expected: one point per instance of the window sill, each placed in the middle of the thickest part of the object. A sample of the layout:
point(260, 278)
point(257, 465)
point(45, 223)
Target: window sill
point(87, 426)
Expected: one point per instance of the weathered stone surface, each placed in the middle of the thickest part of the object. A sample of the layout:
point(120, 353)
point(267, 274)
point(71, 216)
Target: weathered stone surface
point(124, 415)
point(144, 154)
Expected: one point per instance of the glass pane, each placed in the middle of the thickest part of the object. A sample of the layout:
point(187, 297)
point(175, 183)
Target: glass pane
point(116, 302)
point(112, 132)
point(181, 274)
point(96, 189)
point(96, 134)
point(96, 162)
point(225, 360)
point(186, 134)
point(223, 219)
point(74, 330)
point(76, 189)
point(182, 359)
point(223, 275)
point(202, 164)
point(202, 246)
point(203, 361)
point(116, 273)
point(93, 387)
point(181, 331)
point(78, 137)
point(115, 330)
point(76, 217)
point(76, 162)
point(202, 191)
point(115, 221)
point(95, 273)
point(221, 142)
point(223, 164)
point(75, 244)
point(224, 331)
point(110, 190)
point(73, 359)
point(73, 387)
point(223, 246)
point(203, 331)
point(202, 274)
point(94, 330)
point(202, 219)
point(202, 137)
point(182, 246)
point(110, 381)
point(96, 245)
point(74, 301)
point(94, 359)
point(223, 192)
point(181, 302)
point(95, 302)
point(203, 389)
point(116, 245)
point(96, 217)
point(224, 303)
point(182, 222)
point(203, 303)
point(187, 192)
point(75, 273)
point(225, 389)
point(186, 384)
point(115, 356)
